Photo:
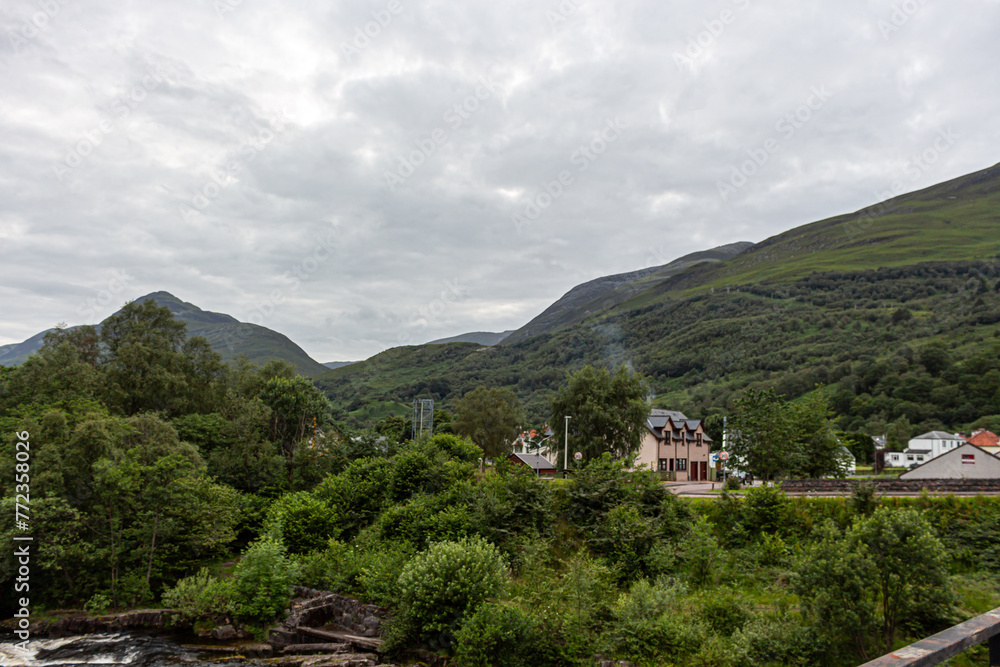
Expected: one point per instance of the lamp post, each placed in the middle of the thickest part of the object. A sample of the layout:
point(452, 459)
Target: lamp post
point(566, 452)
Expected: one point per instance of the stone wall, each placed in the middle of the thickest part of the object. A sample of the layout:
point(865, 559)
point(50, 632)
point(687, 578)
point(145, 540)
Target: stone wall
point(894, 485)
point(317, 608)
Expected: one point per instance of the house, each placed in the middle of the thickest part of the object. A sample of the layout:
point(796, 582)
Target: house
point(923, 448)
point(964, 462)
point(987, 440)
point(675, 446)
point(538, 464)
point(847, 461)
point(536, 442)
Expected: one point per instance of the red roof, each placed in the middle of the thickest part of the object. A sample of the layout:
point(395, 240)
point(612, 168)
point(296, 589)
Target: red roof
point(983, 438)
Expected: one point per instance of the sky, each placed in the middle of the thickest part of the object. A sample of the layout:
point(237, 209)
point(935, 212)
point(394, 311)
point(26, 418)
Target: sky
point(360, 175)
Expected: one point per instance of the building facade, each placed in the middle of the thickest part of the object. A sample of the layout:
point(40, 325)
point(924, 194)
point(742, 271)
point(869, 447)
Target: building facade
point(675, 444)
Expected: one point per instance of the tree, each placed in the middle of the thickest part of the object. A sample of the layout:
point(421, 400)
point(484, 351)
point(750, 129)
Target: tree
point(607, 412)
point(760, 433)
point(887, 569)
point(150, 364)
point(490, 418)
point(297, 406)
point(818, 452)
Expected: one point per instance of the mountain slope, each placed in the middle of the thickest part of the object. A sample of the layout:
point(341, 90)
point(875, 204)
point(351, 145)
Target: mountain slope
point(602, 293)
point(478, 337)
point(227, 336)
point(824, 303)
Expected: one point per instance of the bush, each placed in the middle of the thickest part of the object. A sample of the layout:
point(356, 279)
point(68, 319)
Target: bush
point(460, 449)
point(262, 582)
point(502, 635)
point(302, 521)
point(732, 483)
point(764, 509)
point(699, 554)
point(645, 626)
point(198, 596)
point(447, 582)
point(724, 611)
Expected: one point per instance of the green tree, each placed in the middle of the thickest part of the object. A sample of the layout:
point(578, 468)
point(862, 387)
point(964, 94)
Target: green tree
point(817, 451)
point(150, 364)
point(490, 418)
point(761, 433)
point(607, 411)
point(887, 570)
point(297, 407)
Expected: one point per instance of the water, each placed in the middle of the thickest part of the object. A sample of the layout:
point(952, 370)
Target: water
point(121, 648)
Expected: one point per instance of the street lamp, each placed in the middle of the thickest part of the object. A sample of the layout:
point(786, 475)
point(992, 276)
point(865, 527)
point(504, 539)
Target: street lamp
point(566, 452)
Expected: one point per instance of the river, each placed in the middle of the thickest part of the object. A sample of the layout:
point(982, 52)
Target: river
point(121, 648)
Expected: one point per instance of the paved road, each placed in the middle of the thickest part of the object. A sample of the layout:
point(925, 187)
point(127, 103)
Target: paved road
point(704, 490)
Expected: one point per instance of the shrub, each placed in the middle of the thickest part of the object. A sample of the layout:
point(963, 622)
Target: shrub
point(864, 496)
point(460, 449)
point(732, 483)
point(198, 596)
point(723, 611)
point(764, 509)
point(302, 521)
point(501, 635)
point(699, 554)
point(446, 583)
point(262, 582)
point(646, 627)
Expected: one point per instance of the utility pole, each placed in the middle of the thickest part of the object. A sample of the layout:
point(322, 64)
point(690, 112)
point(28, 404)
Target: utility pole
point(566, 452)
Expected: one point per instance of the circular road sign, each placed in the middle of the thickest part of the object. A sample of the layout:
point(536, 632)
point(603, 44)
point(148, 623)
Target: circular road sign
point(723, 456)
point(578, 456)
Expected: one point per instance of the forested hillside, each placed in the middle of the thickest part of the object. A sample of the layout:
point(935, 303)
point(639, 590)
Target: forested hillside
point(860, 303)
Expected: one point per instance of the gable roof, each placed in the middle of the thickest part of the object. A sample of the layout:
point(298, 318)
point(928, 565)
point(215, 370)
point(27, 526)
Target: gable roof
point(938, 467)
point(983, 438)
point(937, 435)
point(658, 418)
point(534, 461)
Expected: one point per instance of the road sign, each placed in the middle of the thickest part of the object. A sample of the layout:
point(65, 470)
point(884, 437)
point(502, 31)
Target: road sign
point(723, 456)
point(715, 458)
point(578, 456)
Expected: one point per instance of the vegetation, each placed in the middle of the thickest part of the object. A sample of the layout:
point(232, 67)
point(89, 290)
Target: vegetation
point(607, 411)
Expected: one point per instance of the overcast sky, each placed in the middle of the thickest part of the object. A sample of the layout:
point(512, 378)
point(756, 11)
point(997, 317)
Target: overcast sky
point(357, 175)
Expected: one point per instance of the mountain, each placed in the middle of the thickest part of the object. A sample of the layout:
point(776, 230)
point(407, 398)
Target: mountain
point(487, 338)
point(602, 293)
point(227, 336)
point(849, 302)
point(337, 364)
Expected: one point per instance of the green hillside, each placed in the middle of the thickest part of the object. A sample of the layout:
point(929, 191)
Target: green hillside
point(846, 302)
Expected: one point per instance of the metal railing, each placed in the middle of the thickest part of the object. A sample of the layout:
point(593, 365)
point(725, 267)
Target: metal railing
point(946, 644)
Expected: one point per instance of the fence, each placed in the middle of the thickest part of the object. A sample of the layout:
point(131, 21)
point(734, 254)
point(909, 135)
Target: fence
point(936, 649)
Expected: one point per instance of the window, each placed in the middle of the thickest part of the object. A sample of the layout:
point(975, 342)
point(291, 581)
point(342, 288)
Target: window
point(682, 464)
point(663, 464)
point(909, 457)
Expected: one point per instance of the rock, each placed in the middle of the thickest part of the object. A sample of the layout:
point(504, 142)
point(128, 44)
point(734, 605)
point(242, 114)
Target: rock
point(305, 649)
point(224, 633)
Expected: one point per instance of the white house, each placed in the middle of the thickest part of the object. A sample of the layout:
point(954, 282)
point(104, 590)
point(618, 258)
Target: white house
point(923, 448)
point(847, 461)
